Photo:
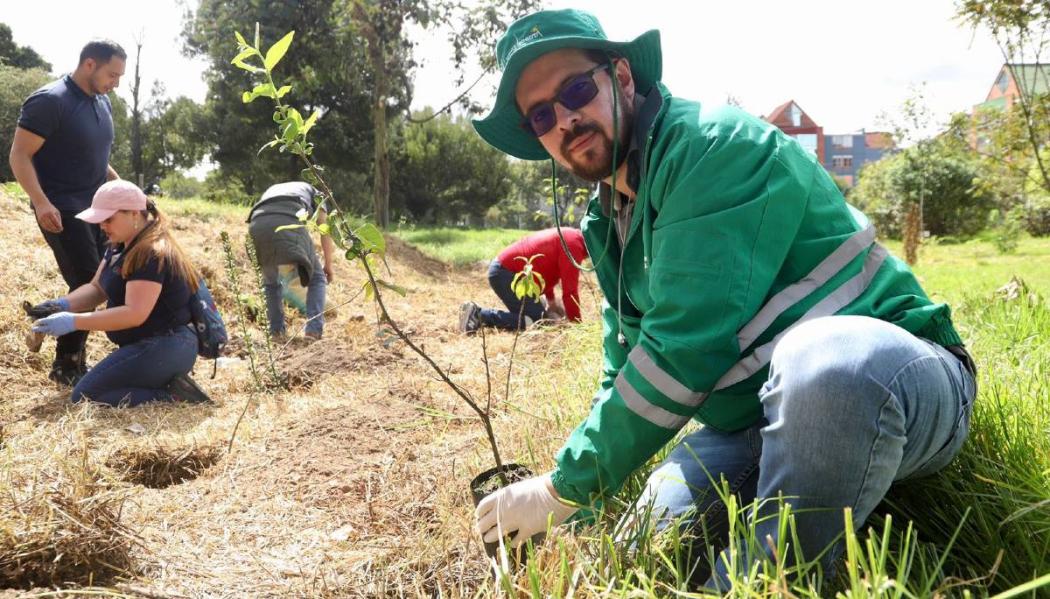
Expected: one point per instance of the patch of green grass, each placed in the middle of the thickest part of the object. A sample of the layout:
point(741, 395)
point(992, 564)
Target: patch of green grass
point(13, 189)
point(461, 246)
point(950, 272)
point(980, 526)
point(199, 207)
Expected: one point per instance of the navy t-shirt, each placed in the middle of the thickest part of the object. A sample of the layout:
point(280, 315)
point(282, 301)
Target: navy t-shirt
point(78, 136)
point(173, 305)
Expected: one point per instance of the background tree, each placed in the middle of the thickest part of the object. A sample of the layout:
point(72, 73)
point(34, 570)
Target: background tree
point(939, 175)
point(15, 86)
point(1020, 28)
point(353, 61)
point(22, 57)
point(384, 23)
point(446, 173)
point(136, 118)
point(175, 135)
point(328, 75)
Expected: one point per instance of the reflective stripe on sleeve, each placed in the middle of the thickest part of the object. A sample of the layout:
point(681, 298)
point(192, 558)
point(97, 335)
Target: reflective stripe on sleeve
point(792, 294)
point(661, 380)
point(835, 301)
point(641, 406)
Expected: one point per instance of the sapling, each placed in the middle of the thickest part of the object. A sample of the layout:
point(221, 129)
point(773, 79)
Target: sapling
point(364, 244)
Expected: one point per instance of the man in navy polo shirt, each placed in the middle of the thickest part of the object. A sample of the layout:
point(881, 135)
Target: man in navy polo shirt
point(60, 156)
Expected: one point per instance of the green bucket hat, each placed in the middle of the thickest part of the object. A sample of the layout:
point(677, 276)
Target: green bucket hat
point(534, 35)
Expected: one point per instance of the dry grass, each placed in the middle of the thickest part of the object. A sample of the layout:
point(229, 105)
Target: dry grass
point(352, 483)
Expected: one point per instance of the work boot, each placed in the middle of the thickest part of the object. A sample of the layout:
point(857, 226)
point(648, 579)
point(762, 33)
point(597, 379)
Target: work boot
point(183, 388)
point(469, 318)
point(67, 370)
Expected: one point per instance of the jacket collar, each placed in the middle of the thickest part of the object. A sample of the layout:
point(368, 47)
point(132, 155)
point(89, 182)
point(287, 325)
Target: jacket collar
point(644, 119)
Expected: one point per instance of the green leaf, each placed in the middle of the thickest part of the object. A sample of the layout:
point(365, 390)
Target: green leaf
point(268, 144)
point(239, 59)
point(372, 238)
point(265, 90)
point(369, 290)
point(295, 116)
point(284, 90)
point(290, 131)
point(258, 42)
point(324, 229)
point(262, 90)
point(240, 38)
point(310, 121)
point(395, 288)
point(277, 51)
point(288, 227)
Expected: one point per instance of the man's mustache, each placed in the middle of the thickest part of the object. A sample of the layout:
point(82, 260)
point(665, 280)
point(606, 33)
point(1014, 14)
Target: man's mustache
point(578, 131)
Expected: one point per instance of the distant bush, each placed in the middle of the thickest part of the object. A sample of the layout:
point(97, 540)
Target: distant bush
point(15, 86)
point(943, 180)
point(226, 189)
point(179, 186)
point(1036, 215)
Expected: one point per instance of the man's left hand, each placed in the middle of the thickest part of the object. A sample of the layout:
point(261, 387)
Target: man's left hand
point(58, 324)
point(328, 272)
point(521, 509)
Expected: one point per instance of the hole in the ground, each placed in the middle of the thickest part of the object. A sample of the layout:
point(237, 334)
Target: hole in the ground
point(159, 467)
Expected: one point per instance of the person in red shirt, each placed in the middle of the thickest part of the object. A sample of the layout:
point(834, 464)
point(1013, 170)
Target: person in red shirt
point(550, 262)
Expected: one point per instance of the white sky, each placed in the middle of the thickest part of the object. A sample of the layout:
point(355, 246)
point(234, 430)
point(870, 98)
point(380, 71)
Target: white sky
point(844, 61)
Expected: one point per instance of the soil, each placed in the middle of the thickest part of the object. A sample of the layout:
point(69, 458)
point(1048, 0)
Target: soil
point(354, 481)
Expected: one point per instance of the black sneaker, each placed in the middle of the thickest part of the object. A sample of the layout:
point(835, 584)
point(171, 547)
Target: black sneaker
point(183, 388)
point(68, 370)
point(469, 317)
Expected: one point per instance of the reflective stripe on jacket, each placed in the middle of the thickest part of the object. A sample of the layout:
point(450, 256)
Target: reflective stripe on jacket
point(737, 234)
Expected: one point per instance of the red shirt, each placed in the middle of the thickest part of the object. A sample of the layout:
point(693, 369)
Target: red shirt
point(553, 265)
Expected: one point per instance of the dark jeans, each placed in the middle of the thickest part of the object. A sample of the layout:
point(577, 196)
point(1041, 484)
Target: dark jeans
point(499, 279)
point(78, 250)
point(137, 372)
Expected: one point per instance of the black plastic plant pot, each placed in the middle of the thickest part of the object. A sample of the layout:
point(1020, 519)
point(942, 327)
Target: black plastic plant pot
point(487, 483)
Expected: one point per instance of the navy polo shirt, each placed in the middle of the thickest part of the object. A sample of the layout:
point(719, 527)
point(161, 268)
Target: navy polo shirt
point(78, 135)
point(173, 305)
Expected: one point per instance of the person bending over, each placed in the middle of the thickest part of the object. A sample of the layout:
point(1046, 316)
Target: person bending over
point(551, 262)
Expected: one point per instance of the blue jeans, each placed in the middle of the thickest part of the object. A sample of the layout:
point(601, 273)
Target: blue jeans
point(315, 298)
point(500, 279)
point(137, 372)
point(851, 405)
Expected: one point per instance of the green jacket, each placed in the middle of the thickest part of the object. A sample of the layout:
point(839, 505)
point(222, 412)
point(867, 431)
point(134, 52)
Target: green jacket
point(737, 233)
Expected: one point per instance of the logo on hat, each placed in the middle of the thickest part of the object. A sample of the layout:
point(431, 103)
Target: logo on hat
point(533, 34)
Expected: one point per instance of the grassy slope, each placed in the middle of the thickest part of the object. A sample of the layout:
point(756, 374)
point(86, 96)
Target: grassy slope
point(355, 484)
point(461, 246)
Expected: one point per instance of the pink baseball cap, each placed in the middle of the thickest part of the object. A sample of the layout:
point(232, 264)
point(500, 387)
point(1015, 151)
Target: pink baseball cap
point(113, 196)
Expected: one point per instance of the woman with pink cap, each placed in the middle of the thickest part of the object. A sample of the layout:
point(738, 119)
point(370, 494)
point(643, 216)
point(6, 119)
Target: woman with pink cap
point(146, 281)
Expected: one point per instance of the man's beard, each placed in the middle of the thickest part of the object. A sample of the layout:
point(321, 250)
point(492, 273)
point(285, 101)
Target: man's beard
point(599, 159)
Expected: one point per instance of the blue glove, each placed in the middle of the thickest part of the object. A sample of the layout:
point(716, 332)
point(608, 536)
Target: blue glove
point(47, 308)
point(58, 324)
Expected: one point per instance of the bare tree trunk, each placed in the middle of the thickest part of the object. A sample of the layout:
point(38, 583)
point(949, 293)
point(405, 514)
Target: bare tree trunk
point(381, 185)
point(912, 232)
point(377, 56)
point(136, 118)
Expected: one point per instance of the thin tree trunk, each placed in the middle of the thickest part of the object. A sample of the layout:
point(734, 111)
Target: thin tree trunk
point(381, 178)
point(136, 119)
point(912, 232)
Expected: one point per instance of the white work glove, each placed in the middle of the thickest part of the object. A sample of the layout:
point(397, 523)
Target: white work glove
point(521, 509)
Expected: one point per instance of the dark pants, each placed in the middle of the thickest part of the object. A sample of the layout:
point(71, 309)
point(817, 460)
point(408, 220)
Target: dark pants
point(78, 250)
point(138, 372)
point(500, 279)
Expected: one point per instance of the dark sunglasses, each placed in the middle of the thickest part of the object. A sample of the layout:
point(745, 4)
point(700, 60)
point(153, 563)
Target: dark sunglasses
point(574, 94)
